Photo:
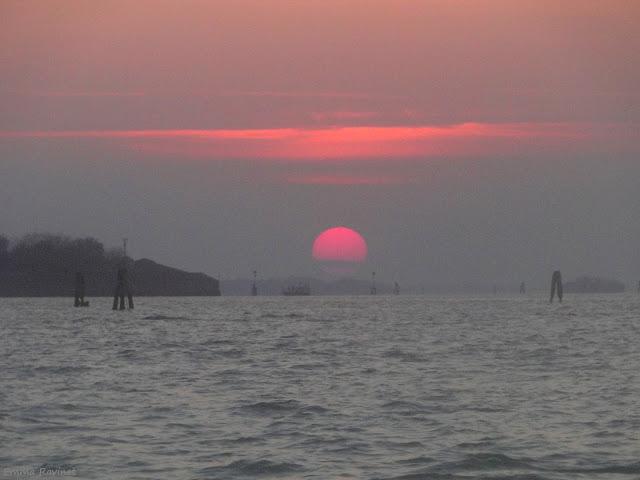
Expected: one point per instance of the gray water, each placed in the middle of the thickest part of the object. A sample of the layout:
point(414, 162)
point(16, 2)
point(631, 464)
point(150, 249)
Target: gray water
point(405, 387)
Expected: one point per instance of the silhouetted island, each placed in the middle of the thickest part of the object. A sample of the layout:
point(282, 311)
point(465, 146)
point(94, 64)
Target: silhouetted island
point(586, 284)
point(43, 265)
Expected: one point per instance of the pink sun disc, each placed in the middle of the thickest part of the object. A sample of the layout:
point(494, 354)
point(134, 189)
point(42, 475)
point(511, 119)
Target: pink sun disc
point(340, 244)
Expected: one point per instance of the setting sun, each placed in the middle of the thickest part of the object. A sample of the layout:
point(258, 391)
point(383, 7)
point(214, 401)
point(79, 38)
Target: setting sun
point(340, 250)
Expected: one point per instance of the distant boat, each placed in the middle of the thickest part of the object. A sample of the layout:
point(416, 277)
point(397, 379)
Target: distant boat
point(300, 289)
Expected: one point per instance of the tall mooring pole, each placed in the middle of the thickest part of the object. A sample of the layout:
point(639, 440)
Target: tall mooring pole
point(254, 285)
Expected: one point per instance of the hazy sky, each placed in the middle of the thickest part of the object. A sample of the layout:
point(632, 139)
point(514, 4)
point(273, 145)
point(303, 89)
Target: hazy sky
point(479, 141)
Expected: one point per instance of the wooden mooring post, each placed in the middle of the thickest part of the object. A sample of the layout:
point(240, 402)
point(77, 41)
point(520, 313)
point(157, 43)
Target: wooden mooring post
point(123, 288)
point(79, 291)
point(556, 286)
point(254, 285)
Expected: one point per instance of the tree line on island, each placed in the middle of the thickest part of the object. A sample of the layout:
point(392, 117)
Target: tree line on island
point(46, 265)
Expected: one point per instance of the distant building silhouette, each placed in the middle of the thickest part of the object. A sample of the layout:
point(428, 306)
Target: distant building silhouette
point(587, 284)
point(556, 286)
point(301, 289)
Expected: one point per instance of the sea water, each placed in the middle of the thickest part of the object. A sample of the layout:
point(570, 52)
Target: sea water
point(384, 387)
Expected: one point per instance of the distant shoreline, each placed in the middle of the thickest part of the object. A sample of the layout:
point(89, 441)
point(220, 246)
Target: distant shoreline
point(44, 265)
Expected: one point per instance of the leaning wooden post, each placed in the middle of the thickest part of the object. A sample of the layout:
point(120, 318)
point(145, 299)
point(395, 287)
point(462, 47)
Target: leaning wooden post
point(556, 286)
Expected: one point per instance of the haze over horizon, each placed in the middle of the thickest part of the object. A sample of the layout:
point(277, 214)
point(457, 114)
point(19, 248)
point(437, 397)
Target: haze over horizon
point(468, 142)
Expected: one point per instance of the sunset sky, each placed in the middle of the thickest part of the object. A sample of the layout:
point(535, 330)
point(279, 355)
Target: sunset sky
point(469, 141)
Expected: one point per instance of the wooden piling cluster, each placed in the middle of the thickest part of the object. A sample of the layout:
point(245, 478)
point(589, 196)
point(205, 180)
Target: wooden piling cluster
point(79, 291)
point(556, 286)
point(123, 288)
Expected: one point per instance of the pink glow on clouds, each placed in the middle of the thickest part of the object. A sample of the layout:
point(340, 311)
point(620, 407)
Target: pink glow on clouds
point(207, 93)
point(302, 94)
point(88, 94)
point(345, 179)
point(343, 115)
point(352, 142)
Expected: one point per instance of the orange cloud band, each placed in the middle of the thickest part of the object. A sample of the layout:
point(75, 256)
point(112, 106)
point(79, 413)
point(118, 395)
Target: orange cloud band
point(335, 143)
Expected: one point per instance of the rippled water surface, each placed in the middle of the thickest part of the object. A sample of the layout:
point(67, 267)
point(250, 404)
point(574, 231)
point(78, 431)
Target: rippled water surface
point(323, 388)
